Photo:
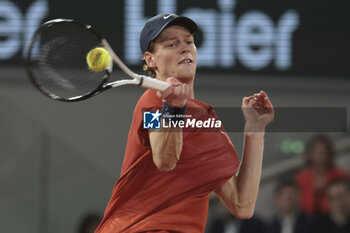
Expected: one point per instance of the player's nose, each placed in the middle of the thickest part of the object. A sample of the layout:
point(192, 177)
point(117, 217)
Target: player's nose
point(184, 47)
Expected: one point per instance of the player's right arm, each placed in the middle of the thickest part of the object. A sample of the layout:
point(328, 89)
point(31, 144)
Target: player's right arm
point(167, 144)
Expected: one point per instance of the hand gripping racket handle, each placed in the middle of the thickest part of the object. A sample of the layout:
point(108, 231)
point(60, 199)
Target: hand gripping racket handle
point(153, 83)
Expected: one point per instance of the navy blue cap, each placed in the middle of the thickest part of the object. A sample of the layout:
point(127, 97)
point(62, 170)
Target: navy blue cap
point(155, 25)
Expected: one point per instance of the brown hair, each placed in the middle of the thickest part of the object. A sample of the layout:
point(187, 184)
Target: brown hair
point(145, 67)
point(328, 145)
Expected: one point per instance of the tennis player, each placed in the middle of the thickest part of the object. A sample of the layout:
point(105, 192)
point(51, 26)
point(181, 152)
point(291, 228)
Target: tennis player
point(167, 176)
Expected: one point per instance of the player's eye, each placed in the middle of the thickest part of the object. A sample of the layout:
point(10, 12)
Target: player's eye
point(171, 43)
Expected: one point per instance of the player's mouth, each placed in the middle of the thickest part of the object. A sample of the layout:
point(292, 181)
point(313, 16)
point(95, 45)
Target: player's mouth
point(186, 61)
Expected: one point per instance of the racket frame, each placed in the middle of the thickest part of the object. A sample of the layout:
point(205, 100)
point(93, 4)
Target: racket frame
point(139, 80)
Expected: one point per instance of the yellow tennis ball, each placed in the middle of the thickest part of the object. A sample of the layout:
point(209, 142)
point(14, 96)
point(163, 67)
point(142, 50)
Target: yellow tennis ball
point(98, 59)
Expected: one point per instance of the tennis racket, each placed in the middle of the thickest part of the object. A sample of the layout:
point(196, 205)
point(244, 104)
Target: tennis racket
point(56, 62)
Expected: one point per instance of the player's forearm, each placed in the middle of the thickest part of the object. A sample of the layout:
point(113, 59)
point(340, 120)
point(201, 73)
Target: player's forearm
point(248, 178)
point(166, 148)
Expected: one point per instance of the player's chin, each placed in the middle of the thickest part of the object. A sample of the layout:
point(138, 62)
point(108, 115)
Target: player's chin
point(187, 73)
point(186, 76)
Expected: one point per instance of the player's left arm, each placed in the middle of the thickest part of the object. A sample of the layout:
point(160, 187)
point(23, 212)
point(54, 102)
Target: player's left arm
point(240, 192)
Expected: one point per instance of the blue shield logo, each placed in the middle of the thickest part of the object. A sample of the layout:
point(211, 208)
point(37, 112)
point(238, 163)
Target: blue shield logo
point(151, 120)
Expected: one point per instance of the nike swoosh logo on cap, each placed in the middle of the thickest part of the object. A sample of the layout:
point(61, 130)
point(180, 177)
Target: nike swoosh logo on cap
point(167, 16)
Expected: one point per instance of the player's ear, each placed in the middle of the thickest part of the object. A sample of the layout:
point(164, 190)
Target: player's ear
point(149, 59)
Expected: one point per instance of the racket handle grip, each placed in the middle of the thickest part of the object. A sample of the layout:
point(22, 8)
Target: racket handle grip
point(152, 83)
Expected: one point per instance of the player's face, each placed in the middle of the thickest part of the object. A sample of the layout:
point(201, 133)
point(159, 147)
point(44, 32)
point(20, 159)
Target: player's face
point(175, 54)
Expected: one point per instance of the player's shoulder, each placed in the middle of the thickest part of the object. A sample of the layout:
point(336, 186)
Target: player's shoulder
point(198, 103)
point(149, 99)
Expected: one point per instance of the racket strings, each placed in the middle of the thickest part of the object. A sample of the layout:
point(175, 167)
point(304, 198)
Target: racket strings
point(58, 60)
